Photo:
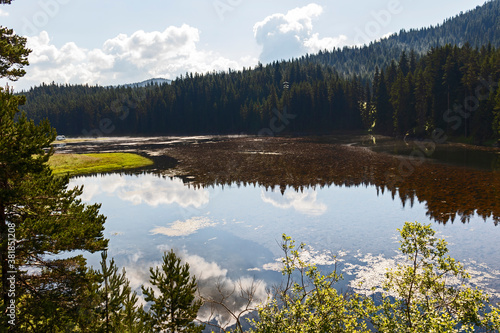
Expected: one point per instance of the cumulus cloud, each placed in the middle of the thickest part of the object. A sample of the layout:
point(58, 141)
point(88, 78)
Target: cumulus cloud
point(283, 36)
point(316, 44)
point(185, 228)
point(305, 202)
point(146, 189)
point(3, 13)
point(124, 58)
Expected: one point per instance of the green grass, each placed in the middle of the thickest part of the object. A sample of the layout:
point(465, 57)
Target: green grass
point(77, 164)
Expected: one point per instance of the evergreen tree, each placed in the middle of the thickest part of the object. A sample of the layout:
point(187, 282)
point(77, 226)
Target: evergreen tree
point(496, 122)
point(176, 307)
point(383, 108)
point(39, 217)
point(117, 303)
point(13, 54)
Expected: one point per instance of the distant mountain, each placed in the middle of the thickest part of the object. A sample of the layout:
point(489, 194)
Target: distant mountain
point(156, 81)
point(478, 27)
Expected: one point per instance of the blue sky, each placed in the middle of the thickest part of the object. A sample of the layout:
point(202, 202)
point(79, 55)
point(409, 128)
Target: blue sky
point(114, 42)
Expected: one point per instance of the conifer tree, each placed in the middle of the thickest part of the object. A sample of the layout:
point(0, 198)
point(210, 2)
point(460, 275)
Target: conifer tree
point(176, 307)
point(118, 303)
point(383, 108)
point(13, 54)
point(496, 112)
point(39, 217)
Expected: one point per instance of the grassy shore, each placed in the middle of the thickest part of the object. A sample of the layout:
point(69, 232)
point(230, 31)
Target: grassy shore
point(77, 164)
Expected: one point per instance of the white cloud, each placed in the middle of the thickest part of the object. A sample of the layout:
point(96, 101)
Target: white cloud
point(185, 228)
point(124, 59)
point(284, 36)
point(305, 202)
point(3, 13)
point(316, 44)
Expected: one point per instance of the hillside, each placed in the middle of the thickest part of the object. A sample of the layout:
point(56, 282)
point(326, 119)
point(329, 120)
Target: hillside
point(478, 27)
point(156, 81)
point(413, 95)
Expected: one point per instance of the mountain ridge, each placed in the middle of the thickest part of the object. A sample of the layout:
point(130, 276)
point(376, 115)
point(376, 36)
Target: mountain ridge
point(478, 27)
point(145, 83)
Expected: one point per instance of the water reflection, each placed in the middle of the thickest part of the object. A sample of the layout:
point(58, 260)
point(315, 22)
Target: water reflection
point(237, 197)
point(305, 202)
point(185, 228)
point(230, 236)
point(148, 189)
point(370, 273)
point(214, 284)
point(449, 192)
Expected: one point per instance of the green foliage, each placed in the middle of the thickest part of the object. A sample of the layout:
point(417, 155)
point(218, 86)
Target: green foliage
point(47, 218)
point(417, 297)
point(175, 307)
point(307, 301)
point(116, 308)
point(57, 297)
point(13, 54)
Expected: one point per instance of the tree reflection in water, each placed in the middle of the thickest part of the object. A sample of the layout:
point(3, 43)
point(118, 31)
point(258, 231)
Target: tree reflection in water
point(449, 192)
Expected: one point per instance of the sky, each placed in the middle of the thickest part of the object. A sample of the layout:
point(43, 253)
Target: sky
point(110, 42)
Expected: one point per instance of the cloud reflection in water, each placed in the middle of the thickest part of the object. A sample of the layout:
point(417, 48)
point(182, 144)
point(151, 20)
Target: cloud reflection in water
point(146, 189)
point(305, 202)
point(185, 228)
point(213, 283)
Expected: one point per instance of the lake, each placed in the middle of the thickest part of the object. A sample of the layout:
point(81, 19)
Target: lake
point(224, 203)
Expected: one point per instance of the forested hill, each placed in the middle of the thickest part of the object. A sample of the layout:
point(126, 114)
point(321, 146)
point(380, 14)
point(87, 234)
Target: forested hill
point(478, 27)
point(408, 93)
point(451, 89)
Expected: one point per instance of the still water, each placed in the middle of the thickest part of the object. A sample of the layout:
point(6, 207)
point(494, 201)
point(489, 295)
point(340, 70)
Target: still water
point(237, 195)
point(232, 233)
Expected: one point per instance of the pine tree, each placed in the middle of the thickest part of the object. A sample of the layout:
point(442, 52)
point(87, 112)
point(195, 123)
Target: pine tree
point(118, 304)
point(383, 108)
point(176, 307)
point(39, 217)
point(496, 112)
point(13, 54)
